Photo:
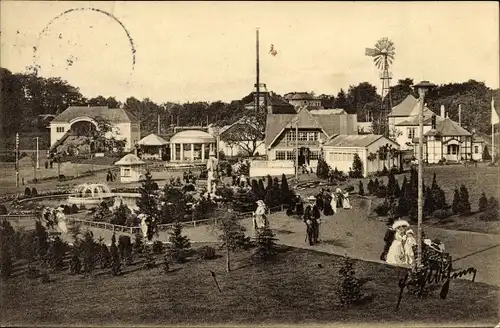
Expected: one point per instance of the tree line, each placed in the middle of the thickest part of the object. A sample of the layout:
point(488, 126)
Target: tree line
point(26, 96)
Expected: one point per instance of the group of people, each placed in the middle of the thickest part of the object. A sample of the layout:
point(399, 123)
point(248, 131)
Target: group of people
point(400, 244)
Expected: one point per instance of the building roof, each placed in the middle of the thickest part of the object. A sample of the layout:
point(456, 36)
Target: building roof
point(413, 118)
point(278, 106)
point(404, 108)
point(448, 127)
point(275, 123)
point(152, 140)
point(299, 96)
point(332, 111)
point(114, 115)
point(130, 159)
point(349, 140)
point(192, 136)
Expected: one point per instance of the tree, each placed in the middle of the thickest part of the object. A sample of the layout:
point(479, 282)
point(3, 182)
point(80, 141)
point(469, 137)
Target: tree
point(179, 244)
point(266, 246)
point(231, 233)
point(116, 265)
point(90, 252)
point(456, 202)
point(363, 99)
point(148, 201)
point(273, 197)
point(491, 212)
point(370, 186)
point(102, 213)
point(361, 190)
point(486, 154)
point(104, 254)
point(41, 237)
point(348, 288)
point(323, 169)
point(247, 132)
point(428, 202)
point(483, 202)
point(262, 190)
point(401, 90)
point(464, 207)
point(341, 100)
point(287, 196)
point(174, 204)
point(5, 261)
point(357, 167)
point(269, 183)
point(121, 214)
point(56, 253)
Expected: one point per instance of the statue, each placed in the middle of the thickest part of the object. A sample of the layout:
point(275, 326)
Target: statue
point(61, 220)
point(212, 177)
point(144, 225)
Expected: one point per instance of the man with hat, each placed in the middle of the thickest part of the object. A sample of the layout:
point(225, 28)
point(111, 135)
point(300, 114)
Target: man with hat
point(311, 218)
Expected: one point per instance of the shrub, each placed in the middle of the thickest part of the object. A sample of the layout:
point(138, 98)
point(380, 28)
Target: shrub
point(348, 289)
point(206, 253)
point(74, 209)
point(370, 186)
point(116, 265)
point(5, 261)
point(179, 244)
point(56, 253)
point(361, 190)
point(456, 202)
point(357, 167)
point(125, 249)
point(441, 214)
point(3, 209)
point(491, 212)
point(104, 256)
point(34, 192)
point(381, 191)
point(394, 169)
point(266, 246)
point(225, 192)
point(382, 209)
point(138, 244)
point(27, 192)
point(464, 207)
point(483, 202)
point(157, 247)
point(149, 259)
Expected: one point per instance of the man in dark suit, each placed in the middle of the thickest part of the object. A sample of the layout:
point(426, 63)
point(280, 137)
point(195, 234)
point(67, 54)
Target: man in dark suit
point(388, 239)
point(311, 218)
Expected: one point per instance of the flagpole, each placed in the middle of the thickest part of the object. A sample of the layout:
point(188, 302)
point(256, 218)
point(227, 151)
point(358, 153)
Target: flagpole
point(492, 142)
point(257, 100)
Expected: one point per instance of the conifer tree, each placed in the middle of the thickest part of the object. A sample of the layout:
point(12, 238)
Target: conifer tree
point(116, 265)
point(456, 202)
point(255, 188)
point(348, 288)
point(147, 202)
point(41, 237)
point(286, 193)
point(361, 190)
point(179, 244)
point(138, 244)
point(269, 183)
point(370, 186)
point(5, 257)
point(357, 167)
point(483, 202)
point(428, 202)
point(149, 259)
point(464, 207)
point(266, 245)
point(89, 252)
point(231, 233)
point(403, 187)
point(56, 253)
point(262, 189)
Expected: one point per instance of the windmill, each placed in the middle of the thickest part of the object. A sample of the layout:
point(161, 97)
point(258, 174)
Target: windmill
point(383, 56)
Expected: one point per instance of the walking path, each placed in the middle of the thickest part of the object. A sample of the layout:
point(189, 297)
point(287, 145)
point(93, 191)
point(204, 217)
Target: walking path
point(351, 232)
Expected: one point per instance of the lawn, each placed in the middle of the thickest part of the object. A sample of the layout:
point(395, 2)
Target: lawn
point(292, 290)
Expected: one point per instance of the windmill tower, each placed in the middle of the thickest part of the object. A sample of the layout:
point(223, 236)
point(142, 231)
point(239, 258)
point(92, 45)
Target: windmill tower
point(383, 56)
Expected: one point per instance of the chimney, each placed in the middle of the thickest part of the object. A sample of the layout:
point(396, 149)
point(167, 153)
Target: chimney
point(460, 115)
point(442, 111)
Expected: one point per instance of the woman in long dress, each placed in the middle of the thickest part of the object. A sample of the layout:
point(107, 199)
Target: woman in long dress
point(259, 217)
point(61, 220)
point(396, 254)
point(333, 203)
point(346, 203)
point(408, 247)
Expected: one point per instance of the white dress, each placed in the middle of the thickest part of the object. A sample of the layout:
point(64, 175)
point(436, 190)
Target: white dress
point(259, 219)
point(396, 254)
point(346, 203)
point(333, 203)
point(408, 248)
point(61, 222)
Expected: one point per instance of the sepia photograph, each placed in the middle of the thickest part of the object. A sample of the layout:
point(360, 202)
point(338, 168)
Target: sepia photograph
point(249, 163)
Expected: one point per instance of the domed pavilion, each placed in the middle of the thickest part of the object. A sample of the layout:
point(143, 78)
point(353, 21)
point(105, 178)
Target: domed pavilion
point(191, 146)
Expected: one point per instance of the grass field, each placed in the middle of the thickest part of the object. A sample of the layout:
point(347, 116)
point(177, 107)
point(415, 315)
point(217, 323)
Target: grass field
point(292, 290)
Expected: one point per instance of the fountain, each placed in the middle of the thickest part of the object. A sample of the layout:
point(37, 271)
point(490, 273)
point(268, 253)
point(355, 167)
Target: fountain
point(90, 194)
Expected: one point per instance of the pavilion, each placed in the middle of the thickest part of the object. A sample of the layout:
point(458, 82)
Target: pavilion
point(131, 168)
point(152, 146)
point(191, 146)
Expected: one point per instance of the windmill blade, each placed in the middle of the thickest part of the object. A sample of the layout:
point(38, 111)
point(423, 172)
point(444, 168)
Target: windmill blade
point(371, 52)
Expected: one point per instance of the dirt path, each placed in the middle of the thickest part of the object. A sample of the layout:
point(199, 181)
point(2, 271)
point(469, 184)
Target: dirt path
point(350, 232)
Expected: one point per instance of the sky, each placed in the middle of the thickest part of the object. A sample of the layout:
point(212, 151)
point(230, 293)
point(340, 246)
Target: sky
point(205, 51)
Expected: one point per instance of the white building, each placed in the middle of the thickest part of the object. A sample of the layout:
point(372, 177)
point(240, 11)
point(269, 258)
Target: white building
point(339, 152)
point(131, 168)
point(300, 99)
point(75, 121)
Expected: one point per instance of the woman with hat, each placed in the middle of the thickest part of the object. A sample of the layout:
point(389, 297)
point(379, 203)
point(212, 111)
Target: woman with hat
point(408, 246)
point(259, 217)
point(396, 254)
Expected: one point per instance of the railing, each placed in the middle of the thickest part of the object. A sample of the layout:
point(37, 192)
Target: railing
point(134, 230)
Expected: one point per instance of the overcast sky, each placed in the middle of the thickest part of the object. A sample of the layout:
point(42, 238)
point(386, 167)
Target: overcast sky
point(190, 51)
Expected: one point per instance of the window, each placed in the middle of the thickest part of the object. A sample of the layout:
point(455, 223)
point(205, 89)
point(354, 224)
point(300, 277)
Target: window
point(476, 149)
point(411, 133)
point(290, 136)
point(280, 155)
point(312, 136)
point(452, 149)
point(290, 155)
point(60, 129)
point(314, 155)
point(126, 172)
point(302, 136)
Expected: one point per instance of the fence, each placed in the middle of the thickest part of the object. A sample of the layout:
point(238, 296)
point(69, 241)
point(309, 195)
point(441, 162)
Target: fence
point(134, 230)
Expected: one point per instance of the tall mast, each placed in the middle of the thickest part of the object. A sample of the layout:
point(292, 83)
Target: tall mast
point(257, 100)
